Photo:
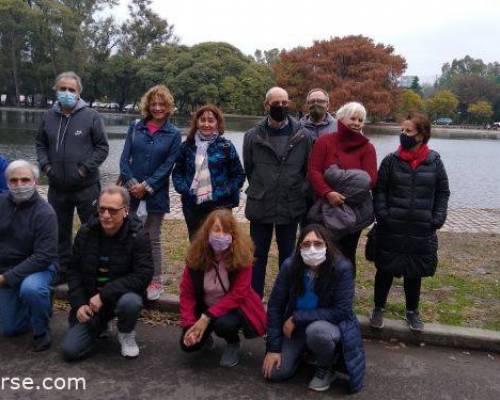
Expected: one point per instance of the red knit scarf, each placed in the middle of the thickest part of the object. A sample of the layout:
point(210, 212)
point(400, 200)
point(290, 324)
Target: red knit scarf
point(414, 157)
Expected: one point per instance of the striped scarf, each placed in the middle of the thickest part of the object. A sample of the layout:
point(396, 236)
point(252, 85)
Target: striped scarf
point(202, 184)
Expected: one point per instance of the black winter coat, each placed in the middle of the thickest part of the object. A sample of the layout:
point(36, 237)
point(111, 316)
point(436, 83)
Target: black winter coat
point(277, 184)
point(130, 265)
point(410, 205)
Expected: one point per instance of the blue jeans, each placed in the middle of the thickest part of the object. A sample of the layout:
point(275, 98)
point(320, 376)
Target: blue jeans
point(320, 338)
point(262, 234)
point(27, 306)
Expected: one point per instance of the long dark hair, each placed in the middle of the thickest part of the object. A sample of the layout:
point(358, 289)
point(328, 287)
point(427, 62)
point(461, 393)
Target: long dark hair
point(326, 268)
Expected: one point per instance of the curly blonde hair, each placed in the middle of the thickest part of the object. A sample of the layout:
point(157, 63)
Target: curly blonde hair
point(161, 92)
point(200, 255)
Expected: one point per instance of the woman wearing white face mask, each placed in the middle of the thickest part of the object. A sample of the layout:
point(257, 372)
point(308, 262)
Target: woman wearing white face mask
point(215, 291)
point(310, 309)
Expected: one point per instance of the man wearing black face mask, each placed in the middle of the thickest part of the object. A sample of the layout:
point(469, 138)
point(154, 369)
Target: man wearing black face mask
point(275, 154)
point(318, 121)
point(28, 256)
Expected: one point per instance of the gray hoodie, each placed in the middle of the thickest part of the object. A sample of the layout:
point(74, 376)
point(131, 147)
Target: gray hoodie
point(315, 130)
point(70, 148)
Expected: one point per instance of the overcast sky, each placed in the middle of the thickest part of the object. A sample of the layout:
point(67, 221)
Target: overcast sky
point(427, 33)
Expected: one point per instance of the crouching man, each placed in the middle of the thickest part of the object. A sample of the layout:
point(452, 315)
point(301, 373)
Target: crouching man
point(28, 256)
point(110, 269)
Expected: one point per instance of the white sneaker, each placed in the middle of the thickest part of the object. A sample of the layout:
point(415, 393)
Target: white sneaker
point(129, 345)
point(154, 290)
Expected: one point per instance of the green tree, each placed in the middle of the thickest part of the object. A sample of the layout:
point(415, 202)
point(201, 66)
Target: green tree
point(15, 20)
point(144, 29)
point(408, 101)
point(415, 86)
point(481, 111)
point(442, 103)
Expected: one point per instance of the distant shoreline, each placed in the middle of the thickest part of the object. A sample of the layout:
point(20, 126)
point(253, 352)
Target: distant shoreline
point(379, 128)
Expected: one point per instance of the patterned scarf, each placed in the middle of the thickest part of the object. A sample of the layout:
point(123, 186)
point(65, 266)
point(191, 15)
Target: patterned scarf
point(202, 184)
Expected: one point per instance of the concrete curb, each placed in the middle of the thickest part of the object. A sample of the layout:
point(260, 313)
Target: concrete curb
point(433, 334)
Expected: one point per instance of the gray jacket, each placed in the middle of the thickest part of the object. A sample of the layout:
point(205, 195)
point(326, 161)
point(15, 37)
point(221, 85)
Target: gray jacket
point(276, 191)
point(357, 211)
point(328, 125)
point(71, 148)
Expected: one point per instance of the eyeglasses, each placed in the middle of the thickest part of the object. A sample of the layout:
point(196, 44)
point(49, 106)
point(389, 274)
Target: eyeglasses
point(315, 243)
point(64, 89)
point(110, 210)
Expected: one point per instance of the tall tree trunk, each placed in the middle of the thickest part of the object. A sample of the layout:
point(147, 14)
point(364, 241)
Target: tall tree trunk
point(14, 67)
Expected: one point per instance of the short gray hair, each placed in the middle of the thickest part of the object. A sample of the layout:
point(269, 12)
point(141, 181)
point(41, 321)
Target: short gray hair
point(318, 90)
point(115, 189)
point(70, 75)
point(350, 109)
point(17, 164)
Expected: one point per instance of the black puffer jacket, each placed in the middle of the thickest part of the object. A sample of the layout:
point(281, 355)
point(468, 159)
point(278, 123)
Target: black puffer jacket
point(130, 265)
point(277, 189)
point(410, 205)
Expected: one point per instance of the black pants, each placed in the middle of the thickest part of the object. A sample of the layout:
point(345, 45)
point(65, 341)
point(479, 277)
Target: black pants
point(261, 235)
point(383, 283)
point(348, 245)
point(64, 204)
point(195, 215)
point(80, 339)
point(226, 327)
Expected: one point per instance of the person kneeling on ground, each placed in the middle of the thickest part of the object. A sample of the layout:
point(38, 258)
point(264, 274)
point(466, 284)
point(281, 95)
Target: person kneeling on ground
point(108, 275)
point(28, 256)
point(216, 293)
point(311, 309)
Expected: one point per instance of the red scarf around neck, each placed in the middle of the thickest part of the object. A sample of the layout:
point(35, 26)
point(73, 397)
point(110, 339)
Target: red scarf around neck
point(414, 157)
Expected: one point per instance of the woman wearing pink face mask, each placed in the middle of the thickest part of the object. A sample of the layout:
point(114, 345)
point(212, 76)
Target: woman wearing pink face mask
point(215, 291)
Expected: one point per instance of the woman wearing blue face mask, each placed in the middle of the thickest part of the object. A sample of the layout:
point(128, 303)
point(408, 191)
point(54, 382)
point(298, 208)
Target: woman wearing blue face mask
point(215, 291)
point(411, 202)
point(311, 309)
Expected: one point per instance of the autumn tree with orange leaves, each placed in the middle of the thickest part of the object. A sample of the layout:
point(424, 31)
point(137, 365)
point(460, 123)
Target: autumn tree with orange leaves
point(349, 68)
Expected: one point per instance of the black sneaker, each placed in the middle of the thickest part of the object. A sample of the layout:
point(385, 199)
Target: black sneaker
point(42, 342)
point(377, 318)
point(414, 321)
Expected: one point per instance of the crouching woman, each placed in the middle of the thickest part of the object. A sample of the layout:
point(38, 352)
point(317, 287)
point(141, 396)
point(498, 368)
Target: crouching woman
point(311, 309)
point(216, 293)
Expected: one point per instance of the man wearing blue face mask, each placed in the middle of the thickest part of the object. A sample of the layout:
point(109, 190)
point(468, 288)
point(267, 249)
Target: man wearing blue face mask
point(71, 145)
point(28, 256)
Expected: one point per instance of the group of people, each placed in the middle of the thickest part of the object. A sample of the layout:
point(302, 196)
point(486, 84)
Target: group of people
point(316, 178)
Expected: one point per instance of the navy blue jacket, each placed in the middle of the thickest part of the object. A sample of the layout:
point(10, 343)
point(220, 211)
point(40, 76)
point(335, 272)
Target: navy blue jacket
point(3, 166)
point(150, 158)
point(335, 305)
point(226, 172)
point(28, 238)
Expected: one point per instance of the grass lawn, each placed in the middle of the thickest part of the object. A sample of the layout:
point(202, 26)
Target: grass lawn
point(465, 290)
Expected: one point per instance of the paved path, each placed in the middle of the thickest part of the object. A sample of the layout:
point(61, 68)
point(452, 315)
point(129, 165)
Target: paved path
point(162, 371)
point(469, 220)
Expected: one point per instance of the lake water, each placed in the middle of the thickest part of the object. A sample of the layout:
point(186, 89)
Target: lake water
point(472, 165)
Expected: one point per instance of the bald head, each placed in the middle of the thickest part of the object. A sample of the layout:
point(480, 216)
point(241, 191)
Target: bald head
point(276, 94)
